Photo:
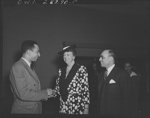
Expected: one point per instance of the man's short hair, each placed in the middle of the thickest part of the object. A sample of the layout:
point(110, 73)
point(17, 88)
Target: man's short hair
point(27, 45)
point(112, 53)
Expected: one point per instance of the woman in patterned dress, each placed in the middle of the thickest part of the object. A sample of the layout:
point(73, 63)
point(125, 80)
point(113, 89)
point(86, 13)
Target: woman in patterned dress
point(72, 85)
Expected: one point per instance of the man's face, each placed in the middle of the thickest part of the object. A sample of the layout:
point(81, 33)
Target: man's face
point(127, 67)
point(94, 66)
point(34, 53)
point(105, 59)
point(68, 57)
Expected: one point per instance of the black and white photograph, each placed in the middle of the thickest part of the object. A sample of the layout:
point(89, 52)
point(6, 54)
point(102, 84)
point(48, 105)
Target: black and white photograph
point(75, 58)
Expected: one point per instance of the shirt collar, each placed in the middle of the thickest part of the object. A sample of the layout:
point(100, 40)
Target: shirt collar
point(29, 64)
point(110, 69)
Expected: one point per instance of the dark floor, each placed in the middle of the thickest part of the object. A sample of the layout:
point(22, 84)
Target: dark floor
point(145, 107)
point(50, 108)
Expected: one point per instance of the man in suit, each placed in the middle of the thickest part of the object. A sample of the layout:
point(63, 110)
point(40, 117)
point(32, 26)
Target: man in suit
point(135, 79)
point(113, 88)
point(25, 83)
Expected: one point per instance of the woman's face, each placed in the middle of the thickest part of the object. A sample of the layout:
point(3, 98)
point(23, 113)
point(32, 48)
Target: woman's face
point(68, 57)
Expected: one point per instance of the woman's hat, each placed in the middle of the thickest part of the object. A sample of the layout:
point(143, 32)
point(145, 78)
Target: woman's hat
point(67, 48)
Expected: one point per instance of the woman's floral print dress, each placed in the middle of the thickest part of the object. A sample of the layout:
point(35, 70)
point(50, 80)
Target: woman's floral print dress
point(73, 89)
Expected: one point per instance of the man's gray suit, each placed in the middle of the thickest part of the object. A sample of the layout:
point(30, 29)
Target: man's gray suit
point(26, 89)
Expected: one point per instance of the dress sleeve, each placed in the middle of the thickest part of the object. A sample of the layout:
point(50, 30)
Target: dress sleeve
point(57, 83)
point(84, 88)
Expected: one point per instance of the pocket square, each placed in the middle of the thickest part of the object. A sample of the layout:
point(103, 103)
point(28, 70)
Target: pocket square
point(112, 81)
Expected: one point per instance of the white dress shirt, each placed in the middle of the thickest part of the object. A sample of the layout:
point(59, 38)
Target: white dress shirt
point(29, 64)
point(110, 69)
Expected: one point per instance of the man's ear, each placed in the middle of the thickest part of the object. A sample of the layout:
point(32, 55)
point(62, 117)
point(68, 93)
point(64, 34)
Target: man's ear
point(111, 58)
point(28, 52)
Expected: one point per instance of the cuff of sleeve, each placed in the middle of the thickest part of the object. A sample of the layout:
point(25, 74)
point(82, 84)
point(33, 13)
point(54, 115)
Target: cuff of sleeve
point(48, 92)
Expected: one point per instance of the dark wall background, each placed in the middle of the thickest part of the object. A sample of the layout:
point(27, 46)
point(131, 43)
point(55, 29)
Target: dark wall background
point(91, 27)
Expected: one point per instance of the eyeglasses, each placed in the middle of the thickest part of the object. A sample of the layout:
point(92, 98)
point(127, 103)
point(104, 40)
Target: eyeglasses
point(102, 57)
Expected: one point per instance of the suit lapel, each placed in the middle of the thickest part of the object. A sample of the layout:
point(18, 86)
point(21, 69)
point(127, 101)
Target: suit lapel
point(32, 72)
point(111, 75)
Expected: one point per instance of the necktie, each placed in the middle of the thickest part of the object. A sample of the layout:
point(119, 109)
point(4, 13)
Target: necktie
point(32, 65)
point(105, 75)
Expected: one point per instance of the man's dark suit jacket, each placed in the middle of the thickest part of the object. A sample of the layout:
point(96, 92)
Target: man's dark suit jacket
point(114, 93)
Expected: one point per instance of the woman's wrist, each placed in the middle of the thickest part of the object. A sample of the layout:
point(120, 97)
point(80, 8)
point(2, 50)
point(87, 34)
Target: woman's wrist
point(86, 110)
point(86, 107)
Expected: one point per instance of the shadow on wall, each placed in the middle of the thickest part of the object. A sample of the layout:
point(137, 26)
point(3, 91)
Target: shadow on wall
point(17, 56)
point(7, 96)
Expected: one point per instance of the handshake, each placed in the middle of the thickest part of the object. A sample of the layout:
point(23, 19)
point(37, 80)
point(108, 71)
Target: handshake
point(51, 93)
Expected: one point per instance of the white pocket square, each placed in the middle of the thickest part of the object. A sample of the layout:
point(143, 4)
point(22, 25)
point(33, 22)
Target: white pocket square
point(112, 81)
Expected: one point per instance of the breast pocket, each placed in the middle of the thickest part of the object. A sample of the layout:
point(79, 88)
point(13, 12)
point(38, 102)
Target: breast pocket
point(113, 88)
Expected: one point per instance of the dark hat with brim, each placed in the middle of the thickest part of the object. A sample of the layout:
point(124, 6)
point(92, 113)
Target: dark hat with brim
point(67, 49)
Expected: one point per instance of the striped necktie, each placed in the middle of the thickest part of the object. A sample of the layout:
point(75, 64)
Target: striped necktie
point(105, 74)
